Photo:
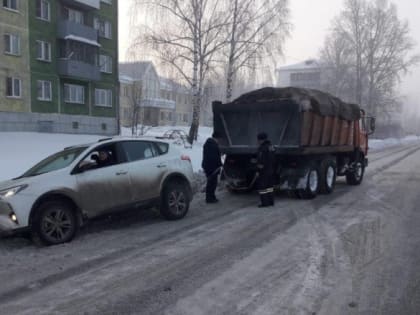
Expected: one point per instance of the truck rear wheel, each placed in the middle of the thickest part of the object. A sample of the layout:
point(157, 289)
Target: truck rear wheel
point(312, 184)
point(328, 175)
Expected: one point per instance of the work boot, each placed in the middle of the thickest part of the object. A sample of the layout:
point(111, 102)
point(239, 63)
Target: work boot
point(270, 198)
point(264, 201)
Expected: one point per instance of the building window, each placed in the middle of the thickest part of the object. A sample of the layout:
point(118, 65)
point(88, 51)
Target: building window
point(43, 10)
point(74, 50)
point(10, 4)
point(105, 63)
point(104, 28)
point(103, 97)
point(12, 44)
point(44, 89)
point(43, 51)
point(74, 93)
point(13, 87)
point(74, 16)
point(75, 125)
point(185, 118)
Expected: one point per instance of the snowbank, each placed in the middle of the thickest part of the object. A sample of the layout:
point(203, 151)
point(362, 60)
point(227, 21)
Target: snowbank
point(22, 150)
point(379, 144)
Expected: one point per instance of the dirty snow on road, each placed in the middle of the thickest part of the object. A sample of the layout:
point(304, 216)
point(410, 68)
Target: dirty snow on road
point(352, 252)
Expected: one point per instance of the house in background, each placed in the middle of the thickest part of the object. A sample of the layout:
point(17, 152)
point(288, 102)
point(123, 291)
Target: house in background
point(307, 74)
point(65, 76)
point(161, 101)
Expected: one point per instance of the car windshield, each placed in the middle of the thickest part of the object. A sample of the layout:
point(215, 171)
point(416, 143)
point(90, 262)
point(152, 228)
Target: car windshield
point(55, 162)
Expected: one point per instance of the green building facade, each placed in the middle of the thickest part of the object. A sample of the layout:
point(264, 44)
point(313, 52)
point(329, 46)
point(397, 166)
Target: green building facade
point(73, 67)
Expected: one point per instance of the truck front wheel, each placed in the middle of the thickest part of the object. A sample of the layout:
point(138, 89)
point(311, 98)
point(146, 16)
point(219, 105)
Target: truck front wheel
point(355, 176)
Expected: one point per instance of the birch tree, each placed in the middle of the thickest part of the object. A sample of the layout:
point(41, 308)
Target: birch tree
point(373, 48)
point(188, 36)
point(256, 28)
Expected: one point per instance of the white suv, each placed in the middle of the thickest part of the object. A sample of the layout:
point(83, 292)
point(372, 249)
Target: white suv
point(58, 194)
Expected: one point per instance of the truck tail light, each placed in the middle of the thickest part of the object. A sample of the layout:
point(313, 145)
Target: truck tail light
point(185, 158)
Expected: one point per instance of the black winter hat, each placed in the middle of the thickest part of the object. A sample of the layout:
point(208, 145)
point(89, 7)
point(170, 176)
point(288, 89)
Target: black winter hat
point(262, 136)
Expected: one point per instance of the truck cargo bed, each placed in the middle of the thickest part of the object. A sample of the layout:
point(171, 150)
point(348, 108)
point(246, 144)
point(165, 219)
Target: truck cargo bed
point(298, 121)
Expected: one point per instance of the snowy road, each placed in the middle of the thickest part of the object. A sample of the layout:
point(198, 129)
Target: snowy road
point(356, 251)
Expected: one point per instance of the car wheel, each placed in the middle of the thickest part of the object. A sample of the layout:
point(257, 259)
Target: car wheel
point(175, 200)
point(328, 175)
point(55, 223)
point(312, 185)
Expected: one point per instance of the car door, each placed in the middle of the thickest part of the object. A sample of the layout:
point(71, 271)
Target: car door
point(107, 187)
point(146, 167)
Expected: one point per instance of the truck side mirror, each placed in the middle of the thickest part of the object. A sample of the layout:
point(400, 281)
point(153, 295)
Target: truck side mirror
point(372, 125)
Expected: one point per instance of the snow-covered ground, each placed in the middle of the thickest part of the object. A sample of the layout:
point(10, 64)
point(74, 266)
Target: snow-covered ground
point(376, 144)
point(20, 150)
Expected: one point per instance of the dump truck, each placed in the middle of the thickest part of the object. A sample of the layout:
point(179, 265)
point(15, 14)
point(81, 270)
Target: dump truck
point(316, 138)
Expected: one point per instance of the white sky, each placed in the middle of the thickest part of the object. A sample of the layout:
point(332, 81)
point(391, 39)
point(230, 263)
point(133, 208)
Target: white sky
point(311, 20)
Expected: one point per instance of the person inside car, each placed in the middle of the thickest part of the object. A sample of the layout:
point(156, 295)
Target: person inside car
point(104, 158)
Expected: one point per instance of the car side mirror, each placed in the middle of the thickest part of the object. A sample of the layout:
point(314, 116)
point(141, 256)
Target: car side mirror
point(94, 157)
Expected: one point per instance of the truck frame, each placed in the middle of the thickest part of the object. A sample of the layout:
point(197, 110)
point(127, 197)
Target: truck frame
point(316, 136)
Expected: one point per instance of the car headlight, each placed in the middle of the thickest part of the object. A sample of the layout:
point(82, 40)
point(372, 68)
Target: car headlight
point(6, 193)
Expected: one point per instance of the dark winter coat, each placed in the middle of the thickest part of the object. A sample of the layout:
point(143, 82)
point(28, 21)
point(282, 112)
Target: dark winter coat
point(265, 165)
point(211, 157)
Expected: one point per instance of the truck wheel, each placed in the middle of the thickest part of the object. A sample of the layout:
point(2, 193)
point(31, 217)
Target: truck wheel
point(312, 185)
point(54, 223)
point(328, 175)
point(355, 177)
point(175, 201)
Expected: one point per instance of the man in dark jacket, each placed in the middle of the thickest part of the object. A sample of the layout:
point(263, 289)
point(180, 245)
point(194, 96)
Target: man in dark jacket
point(265, 169)
point(211, 165)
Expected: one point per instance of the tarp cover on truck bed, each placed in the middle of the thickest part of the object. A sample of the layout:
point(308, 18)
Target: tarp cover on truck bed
point(280, 113)
point(319, 102)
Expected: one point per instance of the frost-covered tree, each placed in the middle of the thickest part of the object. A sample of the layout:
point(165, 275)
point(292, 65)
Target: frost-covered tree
point(367, 51)
point(257, 28)
point(186, 35)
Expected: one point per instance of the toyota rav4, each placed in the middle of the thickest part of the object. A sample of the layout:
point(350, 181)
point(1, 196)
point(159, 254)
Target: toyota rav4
point(55, 197)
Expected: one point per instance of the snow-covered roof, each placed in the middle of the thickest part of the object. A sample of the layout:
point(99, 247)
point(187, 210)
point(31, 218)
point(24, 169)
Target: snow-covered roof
point(136, 69)
point(307, 64)
point(82, 40)
point(125, 79)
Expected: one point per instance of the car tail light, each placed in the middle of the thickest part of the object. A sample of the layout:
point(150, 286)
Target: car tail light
point(185, 158)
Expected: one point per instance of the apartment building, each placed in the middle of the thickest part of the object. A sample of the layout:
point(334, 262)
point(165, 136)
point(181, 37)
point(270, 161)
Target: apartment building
point(73, 67)
point(14, 57)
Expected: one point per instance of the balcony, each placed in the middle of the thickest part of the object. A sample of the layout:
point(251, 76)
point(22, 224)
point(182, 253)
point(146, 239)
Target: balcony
point(78, 69)
point(84, 4)
point(158, 103)
point(69, 28)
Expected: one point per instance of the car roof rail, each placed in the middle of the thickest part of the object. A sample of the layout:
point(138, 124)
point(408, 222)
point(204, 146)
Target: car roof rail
point(104, 139)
